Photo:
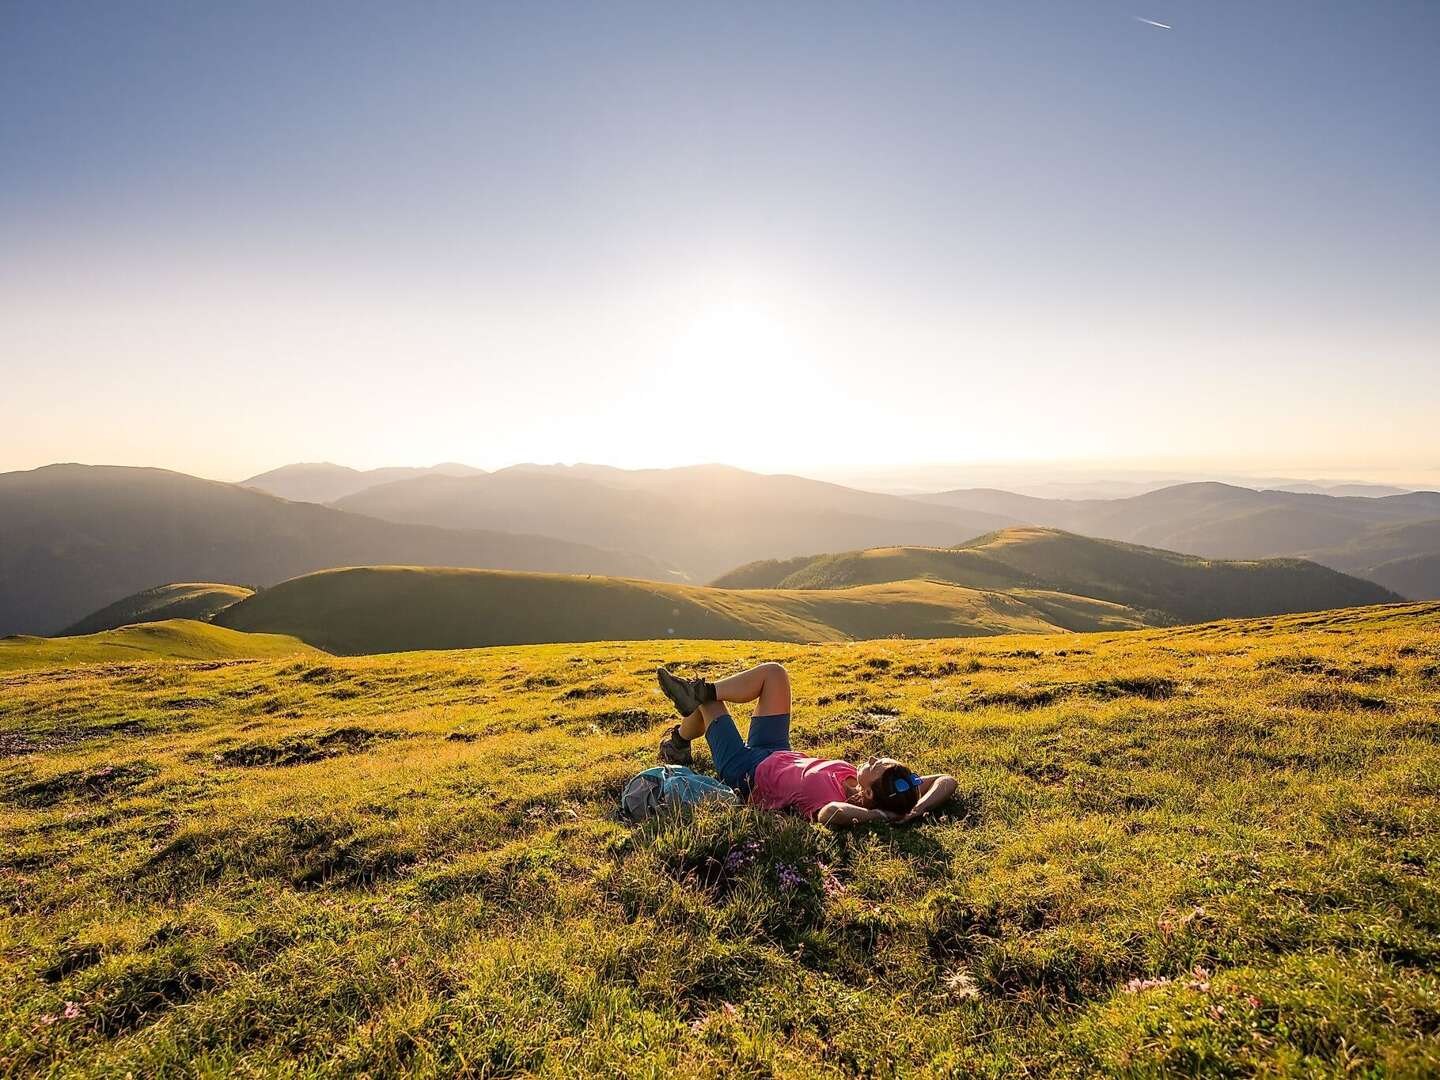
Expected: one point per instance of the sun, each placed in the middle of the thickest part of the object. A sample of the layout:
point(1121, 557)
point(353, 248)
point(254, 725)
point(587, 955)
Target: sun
point(738, 343)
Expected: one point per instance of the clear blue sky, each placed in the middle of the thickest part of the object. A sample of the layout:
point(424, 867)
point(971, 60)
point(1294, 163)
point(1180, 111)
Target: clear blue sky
point(237, 235)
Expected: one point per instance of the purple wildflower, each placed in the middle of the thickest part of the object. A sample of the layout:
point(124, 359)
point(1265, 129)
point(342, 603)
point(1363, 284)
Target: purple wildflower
point(789, 879)
point(742, 856)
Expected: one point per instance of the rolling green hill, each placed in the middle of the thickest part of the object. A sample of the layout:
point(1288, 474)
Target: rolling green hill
point(195, 600)
point(173, 639)
point(396, 608)
point(1168, 586)
point(1215, 520)
point(1210, 851)
point(74, 538)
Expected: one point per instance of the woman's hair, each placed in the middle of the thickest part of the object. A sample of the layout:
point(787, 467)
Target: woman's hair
point(897, 790)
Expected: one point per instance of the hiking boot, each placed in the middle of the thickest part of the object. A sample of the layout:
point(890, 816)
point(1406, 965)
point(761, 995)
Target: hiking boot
point(674, 750)
point(687, 694)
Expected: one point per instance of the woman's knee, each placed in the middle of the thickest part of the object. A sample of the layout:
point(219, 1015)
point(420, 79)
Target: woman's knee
point(775, 674)
point(709, 710)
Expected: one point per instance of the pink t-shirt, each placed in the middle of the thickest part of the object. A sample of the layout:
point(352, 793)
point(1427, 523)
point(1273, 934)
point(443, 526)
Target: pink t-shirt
point(787, 780)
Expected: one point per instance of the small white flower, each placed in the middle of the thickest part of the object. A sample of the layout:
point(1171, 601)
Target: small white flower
point(961, 984)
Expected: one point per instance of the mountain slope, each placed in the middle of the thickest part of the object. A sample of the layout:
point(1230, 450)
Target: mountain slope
point(1405, 558)
point(703, 519)
point(323, 482)
point(198, 601)
point(173, 639)
point(1171, 586)
point(74, 538)
point(395, 608)
point(1224, 521)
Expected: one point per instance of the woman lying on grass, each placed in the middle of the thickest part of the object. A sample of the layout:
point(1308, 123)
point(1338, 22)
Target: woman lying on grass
point(764, 770)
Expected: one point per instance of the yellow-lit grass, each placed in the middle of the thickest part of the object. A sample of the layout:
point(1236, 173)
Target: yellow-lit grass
point(174, 639)
point(1207, 850)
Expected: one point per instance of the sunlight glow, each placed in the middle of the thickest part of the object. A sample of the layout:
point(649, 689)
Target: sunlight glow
point(743, 343)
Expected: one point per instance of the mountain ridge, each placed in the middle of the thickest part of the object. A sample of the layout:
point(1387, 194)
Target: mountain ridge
point(1217, 520)
point(74, 538)
point(1185, 588)
point(702, 519)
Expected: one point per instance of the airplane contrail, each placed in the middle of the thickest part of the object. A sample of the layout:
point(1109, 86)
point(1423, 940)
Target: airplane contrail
point(1152, 22)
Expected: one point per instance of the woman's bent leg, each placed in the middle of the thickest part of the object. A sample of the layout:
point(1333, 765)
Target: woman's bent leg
point(694, 725)
point(766, 684)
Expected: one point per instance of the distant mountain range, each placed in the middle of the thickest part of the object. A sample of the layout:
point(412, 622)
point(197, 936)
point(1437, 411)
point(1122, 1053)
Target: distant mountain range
point(322, 482)
point(1162, 587)
point(704, 519)
point(1389, 539)
point(1372, 530)
point(74, 538)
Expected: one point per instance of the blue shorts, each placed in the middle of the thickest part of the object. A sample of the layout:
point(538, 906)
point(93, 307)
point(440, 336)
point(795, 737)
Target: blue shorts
point(736, 760)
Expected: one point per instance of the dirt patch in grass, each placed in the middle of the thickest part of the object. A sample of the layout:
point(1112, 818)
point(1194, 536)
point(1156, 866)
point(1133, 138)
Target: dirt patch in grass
point(154, 985)
point(943, 670)
point(71, 958)
point(1022, 697)
point(104, 782)
point(321, 674)
point(1428, 730)
point(20, 743)
point(1304, 664)
point(1149, 687)
point(594, 690)
point(1327, 698)
point(304, 748)
point(355, 863)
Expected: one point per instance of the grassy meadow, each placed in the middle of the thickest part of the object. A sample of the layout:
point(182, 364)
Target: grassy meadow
point(168, 639)
point(1205, 850)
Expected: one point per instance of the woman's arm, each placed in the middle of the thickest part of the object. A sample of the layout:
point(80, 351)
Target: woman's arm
point(841, 815)
point(934, 790)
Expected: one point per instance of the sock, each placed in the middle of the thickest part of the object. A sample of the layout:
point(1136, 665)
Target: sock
point(707, 692)
point(675, 733)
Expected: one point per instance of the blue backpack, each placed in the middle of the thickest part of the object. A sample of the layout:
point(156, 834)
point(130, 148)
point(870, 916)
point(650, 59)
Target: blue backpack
point(669, 787)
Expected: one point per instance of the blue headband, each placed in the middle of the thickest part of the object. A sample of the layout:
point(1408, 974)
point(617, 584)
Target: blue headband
point(905, 783)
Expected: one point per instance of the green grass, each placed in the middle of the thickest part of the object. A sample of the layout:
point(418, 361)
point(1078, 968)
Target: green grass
point(1209, 850)
point(192, 600)
point(398, 608)
point(174, 639)
point(1165, 586)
